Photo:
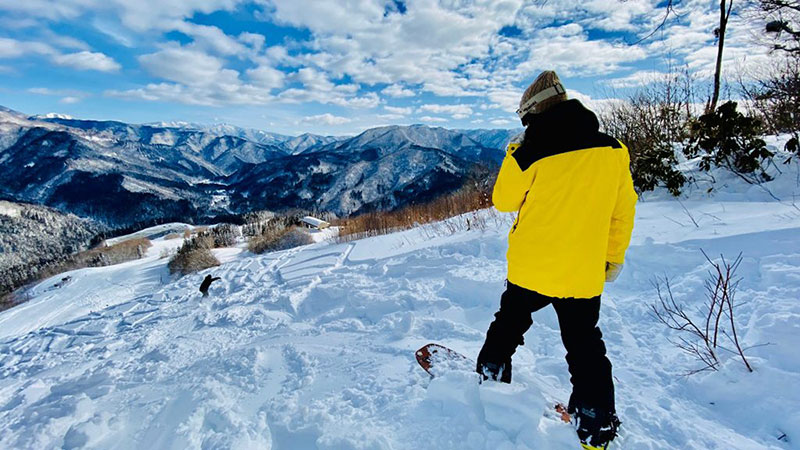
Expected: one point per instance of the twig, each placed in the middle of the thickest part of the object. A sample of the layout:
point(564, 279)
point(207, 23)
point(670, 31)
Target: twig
point(688, 213)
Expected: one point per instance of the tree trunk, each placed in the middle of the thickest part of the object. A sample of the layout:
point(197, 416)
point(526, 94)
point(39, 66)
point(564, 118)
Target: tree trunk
point(723, 25)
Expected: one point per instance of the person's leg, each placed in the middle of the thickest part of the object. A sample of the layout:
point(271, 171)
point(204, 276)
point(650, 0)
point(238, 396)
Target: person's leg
point(592, 384)
point(505, 332)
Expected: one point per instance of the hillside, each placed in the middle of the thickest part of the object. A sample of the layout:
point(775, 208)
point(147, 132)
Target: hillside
point(312, 348)
point(33, 236)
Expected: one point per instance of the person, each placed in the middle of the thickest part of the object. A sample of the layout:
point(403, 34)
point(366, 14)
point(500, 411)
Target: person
point(207, 284)
point(572, 190)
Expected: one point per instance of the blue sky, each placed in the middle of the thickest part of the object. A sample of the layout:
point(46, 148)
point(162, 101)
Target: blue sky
point(341, 66)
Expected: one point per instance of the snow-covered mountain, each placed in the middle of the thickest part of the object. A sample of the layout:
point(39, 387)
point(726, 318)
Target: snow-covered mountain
point(122, 173)
point(114, 172)
point(384, 140)
point(223, 129)
point(313, 347)
point(492, 138)
point(349, 181)
point(307, 141)
point(51, 116)
point(3, 109)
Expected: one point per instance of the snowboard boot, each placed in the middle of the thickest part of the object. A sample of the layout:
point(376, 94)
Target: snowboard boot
point(596, 429)
point(495, 372)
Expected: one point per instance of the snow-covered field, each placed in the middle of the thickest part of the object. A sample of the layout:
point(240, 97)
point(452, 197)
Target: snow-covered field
point(313, 348)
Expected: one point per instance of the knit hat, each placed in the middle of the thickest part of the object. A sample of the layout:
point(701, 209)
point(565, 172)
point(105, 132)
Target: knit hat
point(542, 94)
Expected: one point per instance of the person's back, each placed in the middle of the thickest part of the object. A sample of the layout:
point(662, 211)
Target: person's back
point(572, 190)
point(565, 180)
point(206, 284)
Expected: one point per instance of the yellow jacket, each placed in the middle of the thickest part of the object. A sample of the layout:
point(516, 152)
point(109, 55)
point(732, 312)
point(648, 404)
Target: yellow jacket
point(572, 190)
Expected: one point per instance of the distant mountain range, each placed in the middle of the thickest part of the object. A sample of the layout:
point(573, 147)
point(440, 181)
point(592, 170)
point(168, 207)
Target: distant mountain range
point(121, 174)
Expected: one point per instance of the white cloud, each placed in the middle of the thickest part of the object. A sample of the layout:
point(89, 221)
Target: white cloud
point(433, 119)
point(183, 65)
point(68, 96)
point(640, 78)
point(111, 29)
point(58, 92)
point(501, 122)
point(389, 117)
point(360, 39)
point(12, 48)
point(571, 53)
point(64, 9)
point(266, 77)
point(66, 42)
point(505, 99)
point(397, 91)
point(253, 40)
point(401, 111)
point(594, 104)
point(141, 15)
point(138, 15)
point(212, 39)
point(317, 87)
point(326, 119)
point(457, 111)
point(87, 61)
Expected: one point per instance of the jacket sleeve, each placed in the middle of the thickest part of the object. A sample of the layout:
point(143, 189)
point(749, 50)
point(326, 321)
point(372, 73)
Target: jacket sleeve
point(619, 235)
point(512, 183)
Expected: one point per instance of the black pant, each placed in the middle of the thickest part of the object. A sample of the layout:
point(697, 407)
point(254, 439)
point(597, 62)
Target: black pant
point(590, 369)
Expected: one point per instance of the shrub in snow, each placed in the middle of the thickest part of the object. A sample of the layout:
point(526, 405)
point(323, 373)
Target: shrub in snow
point(727, 138)
point(650, 122)
point(224, 235)
point(775, 97)
point(193, 256)
point(276, 239)
point(701, 337)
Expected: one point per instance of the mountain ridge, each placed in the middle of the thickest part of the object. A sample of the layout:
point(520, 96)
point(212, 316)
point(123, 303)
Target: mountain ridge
point(118, 173)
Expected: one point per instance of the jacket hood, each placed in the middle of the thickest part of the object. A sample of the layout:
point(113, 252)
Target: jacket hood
point(566, 127)
point(562, 121)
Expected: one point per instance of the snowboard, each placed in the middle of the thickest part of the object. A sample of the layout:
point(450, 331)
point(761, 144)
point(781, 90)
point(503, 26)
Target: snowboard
point(437, 360)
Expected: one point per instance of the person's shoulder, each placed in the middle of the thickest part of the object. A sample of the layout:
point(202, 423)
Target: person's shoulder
point(605, 140)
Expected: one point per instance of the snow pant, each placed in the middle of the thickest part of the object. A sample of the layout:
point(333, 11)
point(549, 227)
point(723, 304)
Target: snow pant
point(590, 369)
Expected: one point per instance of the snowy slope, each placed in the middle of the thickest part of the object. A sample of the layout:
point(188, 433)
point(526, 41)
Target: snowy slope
point(312, 348)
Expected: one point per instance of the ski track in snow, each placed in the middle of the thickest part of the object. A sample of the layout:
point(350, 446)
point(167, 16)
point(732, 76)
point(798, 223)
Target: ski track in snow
point(312, 348)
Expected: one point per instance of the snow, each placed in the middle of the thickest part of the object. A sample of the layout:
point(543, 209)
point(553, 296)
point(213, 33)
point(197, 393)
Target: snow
point(153, 232)
point(53, 116)
point(166, 137)
point(314, 222)
point(10, 209)
point(313, 347)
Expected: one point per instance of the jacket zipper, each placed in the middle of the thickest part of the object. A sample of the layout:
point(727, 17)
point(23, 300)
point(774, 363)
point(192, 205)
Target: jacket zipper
point(516, 222)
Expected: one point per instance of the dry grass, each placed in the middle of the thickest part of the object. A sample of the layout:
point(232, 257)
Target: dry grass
point(472, 197)
point(172, 236)
point(114, 254)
